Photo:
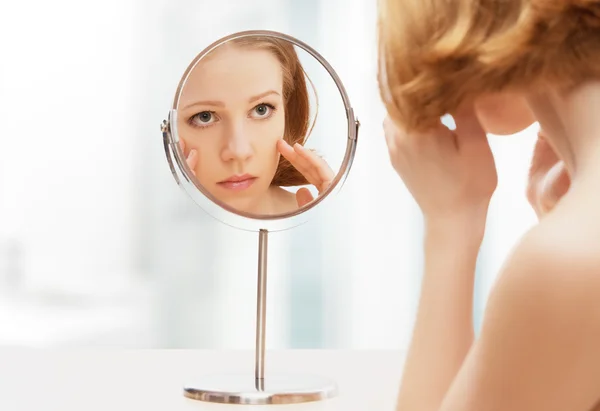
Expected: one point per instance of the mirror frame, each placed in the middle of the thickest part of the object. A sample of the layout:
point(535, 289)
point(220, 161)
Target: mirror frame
point(229, 215)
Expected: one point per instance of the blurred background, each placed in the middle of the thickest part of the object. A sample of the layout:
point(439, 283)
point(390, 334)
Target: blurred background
point(98, 245)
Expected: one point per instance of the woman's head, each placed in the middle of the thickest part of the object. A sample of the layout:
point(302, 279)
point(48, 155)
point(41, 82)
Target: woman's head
point(237, 103)
point(436, 55)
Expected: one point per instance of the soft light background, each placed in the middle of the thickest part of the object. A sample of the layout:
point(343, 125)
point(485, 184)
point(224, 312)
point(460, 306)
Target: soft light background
point(99, 247)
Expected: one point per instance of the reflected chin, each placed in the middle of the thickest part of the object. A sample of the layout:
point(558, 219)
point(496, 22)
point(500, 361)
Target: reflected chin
point(240, 195)
point(240, 204)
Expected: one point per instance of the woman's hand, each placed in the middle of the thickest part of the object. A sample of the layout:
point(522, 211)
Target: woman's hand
point(191, 158)
point(548, 178)
point(451, 174)
point(311, 166)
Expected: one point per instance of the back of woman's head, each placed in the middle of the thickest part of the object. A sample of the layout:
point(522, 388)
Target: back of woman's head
point(437, 54)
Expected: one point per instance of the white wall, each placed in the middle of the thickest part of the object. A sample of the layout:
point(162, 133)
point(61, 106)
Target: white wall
point(86, 193)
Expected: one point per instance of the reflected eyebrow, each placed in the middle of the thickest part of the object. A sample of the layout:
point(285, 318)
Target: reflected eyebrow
point(205, 103)
point(214, 103)
point(262, 95)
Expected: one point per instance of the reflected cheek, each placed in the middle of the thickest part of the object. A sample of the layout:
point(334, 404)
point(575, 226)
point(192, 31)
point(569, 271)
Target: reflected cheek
point(208, 168)
point(270, 133)
point(208, 159)
point(267, 153)
point(190, 144)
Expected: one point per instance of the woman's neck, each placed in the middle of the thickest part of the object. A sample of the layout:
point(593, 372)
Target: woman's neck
point(571, 122)
point(274, 201)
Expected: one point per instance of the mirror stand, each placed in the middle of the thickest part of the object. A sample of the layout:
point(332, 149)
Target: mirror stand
point(261, 310)
point(277, 389)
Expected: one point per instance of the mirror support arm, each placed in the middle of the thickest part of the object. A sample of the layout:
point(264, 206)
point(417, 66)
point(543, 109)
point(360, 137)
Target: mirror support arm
point(261, 310)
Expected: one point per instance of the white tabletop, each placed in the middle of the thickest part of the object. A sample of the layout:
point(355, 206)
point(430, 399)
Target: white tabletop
point(152, 380)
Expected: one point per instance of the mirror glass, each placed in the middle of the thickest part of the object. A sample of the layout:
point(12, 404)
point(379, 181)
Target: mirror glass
point(262, 126)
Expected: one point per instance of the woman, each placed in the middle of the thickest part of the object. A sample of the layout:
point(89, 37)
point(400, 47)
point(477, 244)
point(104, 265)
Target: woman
point(243, 122)
point(498, 66)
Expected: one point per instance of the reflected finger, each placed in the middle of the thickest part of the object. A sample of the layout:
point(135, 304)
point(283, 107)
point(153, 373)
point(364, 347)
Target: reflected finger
point(304, 197)
point(192, 160)
point(296, 160)
point(324, 173)
point(307, 166)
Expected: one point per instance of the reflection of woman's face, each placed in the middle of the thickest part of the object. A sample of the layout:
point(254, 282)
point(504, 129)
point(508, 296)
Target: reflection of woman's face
point(232, 114)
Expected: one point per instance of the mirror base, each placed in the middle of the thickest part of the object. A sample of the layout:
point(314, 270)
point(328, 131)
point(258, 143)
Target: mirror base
point(244, 389)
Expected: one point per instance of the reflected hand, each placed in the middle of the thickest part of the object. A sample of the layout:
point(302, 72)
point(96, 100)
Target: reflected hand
point(451, 174)
point(191, 158)
point(548, 178)
point(311, 166)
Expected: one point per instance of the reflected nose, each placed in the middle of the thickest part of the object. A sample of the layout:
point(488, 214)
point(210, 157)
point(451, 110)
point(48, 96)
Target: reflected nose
point(237, 145)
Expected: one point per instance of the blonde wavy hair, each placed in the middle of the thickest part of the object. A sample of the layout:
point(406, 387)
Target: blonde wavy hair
point(436, 54)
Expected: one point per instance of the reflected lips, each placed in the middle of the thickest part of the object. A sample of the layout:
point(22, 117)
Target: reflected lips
point(238, 182)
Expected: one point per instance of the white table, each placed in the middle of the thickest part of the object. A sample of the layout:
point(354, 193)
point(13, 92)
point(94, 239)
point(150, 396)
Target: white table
point(152, 380)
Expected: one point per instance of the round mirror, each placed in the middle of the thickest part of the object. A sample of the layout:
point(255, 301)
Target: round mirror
point(261, 131)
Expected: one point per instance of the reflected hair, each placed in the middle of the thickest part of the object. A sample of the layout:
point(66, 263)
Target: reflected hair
point(295, 99)
point(434, 55)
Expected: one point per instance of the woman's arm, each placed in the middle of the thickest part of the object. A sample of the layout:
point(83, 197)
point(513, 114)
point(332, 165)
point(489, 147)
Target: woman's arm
point(539, 348)
point(443, 331)
point(452, 176)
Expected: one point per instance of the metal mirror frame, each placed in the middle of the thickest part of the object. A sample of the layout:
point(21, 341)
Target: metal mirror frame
point(229, 215)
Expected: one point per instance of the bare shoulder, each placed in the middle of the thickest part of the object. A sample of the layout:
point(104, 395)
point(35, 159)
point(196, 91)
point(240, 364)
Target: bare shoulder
point(538, 344)
point(548, 293)
point(538, 347)
point(558, 263)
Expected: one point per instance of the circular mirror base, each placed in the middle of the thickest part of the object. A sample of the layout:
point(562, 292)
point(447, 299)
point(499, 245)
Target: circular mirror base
point(277, 389)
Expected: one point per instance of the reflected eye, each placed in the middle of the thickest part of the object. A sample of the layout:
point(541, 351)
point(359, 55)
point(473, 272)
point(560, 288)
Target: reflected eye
point(262, 111)
point(203, 119)
point(205, 116)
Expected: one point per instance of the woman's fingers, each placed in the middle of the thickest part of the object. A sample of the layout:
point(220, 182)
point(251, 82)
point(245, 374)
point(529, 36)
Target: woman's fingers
point(191, 158)
point(545, 191)
point(446, 171)
point(544, 157)
point(313, 168)
point(298, 161)
point(554, 186)
point(405, 148)
point(289, 153)
point(548, 179)
point(320, 170)
point(303, 197)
